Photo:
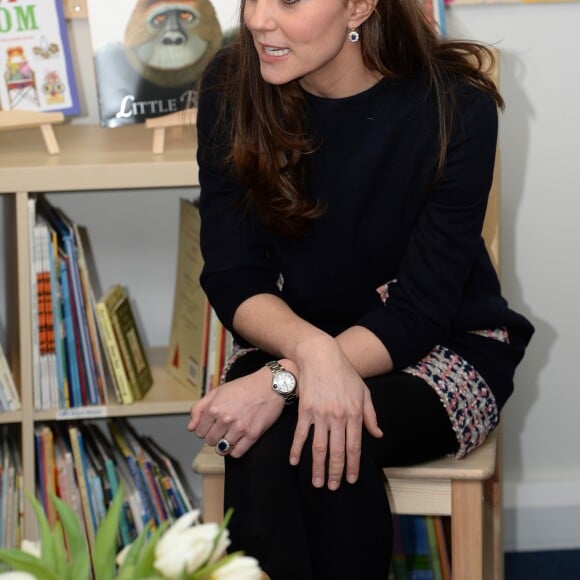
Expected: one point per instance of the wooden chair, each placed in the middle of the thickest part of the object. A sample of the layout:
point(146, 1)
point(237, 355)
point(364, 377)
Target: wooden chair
point(469, 490)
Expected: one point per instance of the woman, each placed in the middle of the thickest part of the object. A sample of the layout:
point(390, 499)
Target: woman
point(346, 155)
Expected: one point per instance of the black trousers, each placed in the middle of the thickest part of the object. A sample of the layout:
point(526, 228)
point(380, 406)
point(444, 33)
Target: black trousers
point(299, 532)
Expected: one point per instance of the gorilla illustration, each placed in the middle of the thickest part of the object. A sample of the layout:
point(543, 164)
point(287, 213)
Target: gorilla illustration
point(155, 71)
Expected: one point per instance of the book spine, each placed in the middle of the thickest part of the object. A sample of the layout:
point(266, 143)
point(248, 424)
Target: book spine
point(86, 355)
point(433, 550)
point(10, 393)
point(121, 380)
point(34, 305)
point(60, 366)
point(81, 473)
point(136, 474)
point(89, 305)
point(111, 303)
point(48, 344)
point(131, 347)
point(75, 396)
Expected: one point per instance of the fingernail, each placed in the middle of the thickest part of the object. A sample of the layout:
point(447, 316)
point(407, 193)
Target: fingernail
point(351, 478)
point(293, 460)
point(333, 485)
point(318, 482)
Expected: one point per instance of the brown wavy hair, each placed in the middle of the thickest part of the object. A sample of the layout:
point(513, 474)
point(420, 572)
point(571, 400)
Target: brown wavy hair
point(269, 145)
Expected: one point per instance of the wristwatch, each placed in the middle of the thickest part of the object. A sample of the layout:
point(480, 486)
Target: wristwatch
point(283, 381)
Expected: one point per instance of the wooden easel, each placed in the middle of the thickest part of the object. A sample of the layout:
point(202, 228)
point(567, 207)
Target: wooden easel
point(10, 120)
point(159, 125)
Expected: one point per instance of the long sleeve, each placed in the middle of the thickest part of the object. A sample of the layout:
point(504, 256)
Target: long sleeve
point(236, 264)
point(437, 262)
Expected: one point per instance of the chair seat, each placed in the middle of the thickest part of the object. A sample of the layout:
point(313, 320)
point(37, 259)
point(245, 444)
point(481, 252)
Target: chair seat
point(426, 488)
point(406, 485)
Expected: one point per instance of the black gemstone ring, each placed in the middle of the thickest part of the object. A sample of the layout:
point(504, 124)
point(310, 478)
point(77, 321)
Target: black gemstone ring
point(223, 446)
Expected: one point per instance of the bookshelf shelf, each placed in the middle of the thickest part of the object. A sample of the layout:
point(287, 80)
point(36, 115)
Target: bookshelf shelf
point(167, 396)
point(9, 417)
point(91, 159)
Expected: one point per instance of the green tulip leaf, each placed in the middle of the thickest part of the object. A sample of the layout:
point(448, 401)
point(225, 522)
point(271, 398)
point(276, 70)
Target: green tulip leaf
point(144, 565)
point(222, 527)
point(134, 552)
point(47, 556)
point(105, 548)
point(60, 554)
point(80, 564)
point(24, 562)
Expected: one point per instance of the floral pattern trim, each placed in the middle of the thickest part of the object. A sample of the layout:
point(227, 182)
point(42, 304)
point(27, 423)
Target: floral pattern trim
point(383, 290)
point(500, 334)
point(466, 396)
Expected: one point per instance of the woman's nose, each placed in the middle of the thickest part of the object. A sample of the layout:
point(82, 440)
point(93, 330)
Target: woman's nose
point(259, 14)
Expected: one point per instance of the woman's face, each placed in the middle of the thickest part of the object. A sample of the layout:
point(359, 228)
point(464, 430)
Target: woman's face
point(304, 39)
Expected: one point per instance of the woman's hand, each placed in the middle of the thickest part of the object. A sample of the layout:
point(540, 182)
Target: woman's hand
point(240, 411)
point(335, 399)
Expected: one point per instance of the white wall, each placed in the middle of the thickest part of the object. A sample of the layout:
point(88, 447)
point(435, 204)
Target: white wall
point(540, 79)
point(134, 237)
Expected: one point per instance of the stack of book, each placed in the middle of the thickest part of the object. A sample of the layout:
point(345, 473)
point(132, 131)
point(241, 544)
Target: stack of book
point(420, 548)
point(9, 397)
point(199, 344)
point(73, 365)
point(11, 489)
point(85, 467)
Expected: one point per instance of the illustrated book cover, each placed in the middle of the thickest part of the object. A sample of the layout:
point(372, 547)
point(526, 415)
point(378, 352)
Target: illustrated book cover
point(128, 336)
point(186, 355)
point(149, 58)
point(35, 58)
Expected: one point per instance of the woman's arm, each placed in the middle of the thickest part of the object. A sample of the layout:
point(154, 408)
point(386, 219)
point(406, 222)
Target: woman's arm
point(332, 395)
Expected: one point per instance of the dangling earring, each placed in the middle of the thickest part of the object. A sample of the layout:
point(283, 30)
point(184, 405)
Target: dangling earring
point(354, 35)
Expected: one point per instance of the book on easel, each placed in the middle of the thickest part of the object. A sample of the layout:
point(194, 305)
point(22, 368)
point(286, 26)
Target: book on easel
point(148, 61)
point(35, 59)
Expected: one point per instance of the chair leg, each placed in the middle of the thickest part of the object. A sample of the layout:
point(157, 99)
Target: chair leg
point(467, 530)
point(493, 540)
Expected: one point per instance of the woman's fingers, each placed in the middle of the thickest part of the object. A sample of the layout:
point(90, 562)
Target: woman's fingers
point(319, 451)
point(370, 416)
point(353, 448)
point(336, 458)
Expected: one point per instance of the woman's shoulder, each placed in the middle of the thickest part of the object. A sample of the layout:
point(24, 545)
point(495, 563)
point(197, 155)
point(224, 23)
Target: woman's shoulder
point(217, 71)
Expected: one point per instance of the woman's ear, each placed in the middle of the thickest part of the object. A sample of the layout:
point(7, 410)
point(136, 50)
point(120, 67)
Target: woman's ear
point(360, 10)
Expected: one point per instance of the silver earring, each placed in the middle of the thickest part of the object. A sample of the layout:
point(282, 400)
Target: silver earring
point(354, 35)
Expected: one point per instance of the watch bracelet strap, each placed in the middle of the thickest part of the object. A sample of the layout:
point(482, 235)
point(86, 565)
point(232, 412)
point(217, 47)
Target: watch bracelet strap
point(276, 367)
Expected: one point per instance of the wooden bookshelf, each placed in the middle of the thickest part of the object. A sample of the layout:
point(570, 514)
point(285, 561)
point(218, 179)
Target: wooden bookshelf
point(90, 159)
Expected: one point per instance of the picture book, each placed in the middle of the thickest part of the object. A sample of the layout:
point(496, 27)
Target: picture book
point(35, 59)
point(186, 355)
point(129, 341)
point(149, 58)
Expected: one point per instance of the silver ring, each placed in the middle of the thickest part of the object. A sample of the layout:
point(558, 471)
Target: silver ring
point(223, 446)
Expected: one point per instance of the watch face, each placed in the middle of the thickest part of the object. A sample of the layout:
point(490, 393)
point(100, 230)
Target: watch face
point(284, 382)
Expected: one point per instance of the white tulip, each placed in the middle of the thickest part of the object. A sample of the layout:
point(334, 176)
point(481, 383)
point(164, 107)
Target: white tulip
point(242, 568)
point(187, 546)
point(120, 559)
point(16, 576)
point(32, 548)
